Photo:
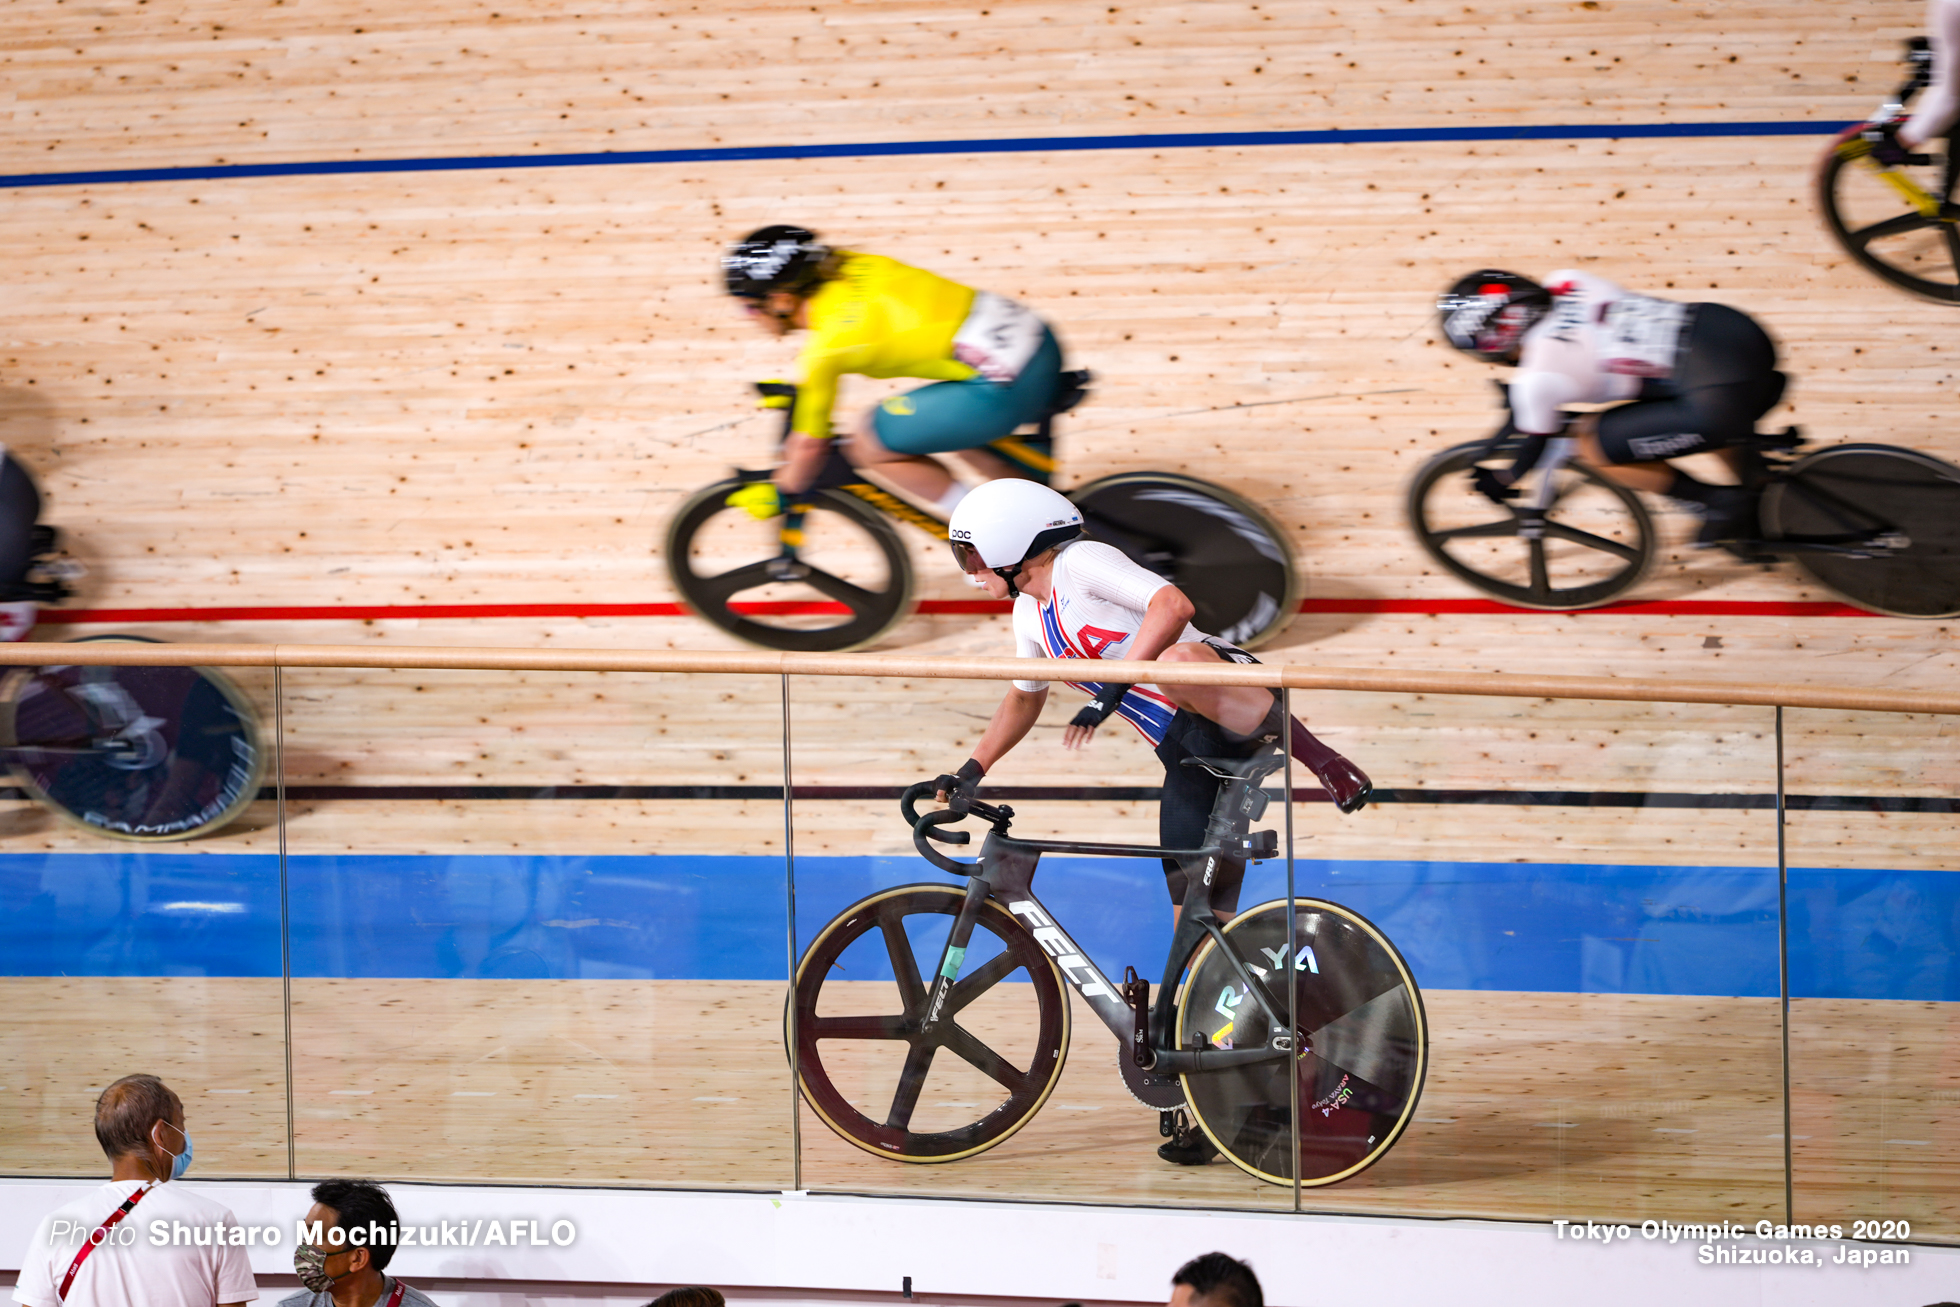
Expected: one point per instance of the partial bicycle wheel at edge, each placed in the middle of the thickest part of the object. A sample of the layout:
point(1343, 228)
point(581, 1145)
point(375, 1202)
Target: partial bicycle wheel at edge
point(850, 584)
point(150, 754)
point(1361, 1059)
point(1225, 553)
point(1882, 231)
point(865, 1064)
point(1598, 540)
point(1853, 490)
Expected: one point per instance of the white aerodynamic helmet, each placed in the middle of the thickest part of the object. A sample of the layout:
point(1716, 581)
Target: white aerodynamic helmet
point(1002, 524)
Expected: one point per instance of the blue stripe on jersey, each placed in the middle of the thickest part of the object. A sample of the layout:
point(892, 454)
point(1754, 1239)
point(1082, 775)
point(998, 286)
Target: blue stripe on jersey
point(1150, 717)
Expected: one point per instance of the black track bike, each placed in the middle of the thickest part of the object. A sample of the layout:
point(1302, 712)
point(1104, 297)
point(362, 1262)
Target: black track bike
point(1901, 224)
point(1287, 1011)
point(833, 573)
point(1875, 524)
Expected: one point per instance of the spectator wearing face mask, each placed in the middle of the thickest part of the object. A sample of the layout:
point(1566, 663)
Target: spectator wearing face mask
point(97, 1250)
point(347, 1241)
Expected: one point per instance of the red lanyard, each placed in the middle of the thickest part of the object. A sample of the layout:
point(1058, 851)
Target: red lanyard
point(89, 1247)
point(395, 1298)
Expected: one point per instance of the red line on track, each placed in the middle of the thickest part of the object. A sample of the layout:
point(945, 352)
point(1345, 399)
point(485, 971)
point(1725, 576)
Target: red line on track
point(463, 612)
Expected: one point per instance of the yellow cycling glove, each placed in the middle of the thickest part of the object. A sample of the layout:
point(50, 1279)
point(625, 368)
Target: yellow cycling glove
point(759, 500)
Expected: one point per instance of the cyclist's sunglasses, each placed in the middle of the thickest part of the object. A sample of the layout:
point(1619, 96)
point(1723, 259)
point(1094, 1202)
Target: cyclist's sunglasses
point(969, 558)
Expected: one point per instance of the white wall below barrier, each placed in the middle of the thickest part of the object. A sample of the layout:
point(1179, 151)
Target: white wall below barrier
point(790, 1250)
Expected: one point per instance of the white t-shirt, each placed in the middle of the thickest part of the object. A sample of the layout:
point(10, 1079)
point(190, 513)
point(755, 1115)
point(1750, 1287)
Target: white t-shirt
point(138, 1273)
point(1594, 347)
point(1095, 607)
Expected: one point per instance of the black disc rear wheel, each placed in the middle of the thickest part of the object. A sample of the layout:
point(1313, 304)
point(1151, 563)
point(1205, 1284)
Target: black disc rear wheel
point(849, 583)
point(134, 753)
point(1595, 543)
point(870, 1070)
point(1881, 229)
point(1229, 558)
point(1908, 500)
point(1361, 1055)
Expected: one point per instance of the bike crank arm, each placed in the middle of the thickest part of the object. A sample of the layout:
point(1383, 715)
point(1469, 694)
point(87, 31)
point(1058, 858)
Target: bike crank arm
point(1194, 1060)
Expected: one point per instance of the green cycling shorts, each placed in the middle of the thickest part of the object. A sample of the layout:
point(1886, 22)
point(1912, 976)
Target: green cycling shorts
point(952, 415)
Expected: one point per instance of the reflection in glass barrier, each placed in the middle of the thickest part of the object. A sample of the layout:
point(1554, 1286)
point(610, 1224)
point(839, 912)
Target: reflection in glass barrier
point(1874, 907)
point(539, 927)
point(1586, 896)
point(139, 911)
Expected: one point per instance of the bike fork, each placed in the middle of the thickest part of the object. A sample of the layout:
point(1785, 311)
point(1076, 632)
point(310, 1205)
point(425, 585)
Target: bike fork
point(953, 956)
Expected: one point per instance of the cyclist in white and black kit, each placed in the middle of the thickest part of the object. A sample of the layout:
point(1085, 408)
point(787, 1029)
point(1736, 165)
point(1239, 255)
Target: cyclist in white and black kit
point(1898, 142)
point(1083, 599)
point(1688, 379)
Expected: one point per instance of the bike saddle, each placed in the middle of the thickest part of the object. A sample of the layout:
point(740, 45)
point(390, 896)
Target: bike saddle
point(1073, 390)
point(1232, 769)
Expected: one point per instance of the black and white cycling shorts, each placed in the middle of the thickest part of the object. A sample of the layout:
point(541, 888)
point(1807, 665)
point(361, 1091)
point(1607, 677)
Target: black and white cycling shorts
point(1727, 380)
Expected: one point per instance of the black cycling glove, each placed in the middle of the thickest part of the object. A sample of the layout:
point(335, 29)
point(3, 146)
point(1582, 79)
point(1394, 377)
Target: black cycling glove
point(1107, 700)
point(962, 783)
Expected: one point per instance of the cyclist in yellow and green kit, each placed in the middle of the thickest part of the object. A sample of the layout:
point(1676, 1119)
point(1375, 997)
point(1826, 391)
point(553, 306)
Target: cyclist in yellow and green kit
point(993, 363)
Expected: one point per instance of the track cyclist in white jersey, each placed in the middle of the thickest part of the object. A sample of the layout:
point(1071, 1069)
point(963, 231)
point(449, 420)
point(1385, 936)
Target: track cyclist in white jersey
point(1895, 143)
point(1083, 599)
point(1688, 379)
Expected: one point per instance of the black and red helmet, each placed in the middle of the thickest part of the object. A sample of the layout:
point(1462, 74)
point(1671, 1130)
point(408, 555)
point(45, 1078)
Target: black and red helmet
point(1488, 312)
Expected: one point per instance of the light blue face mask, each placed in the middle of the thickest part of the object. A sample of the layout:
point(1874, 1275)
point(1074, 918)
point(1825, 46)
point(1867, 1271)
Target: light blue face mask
point(179, 1162)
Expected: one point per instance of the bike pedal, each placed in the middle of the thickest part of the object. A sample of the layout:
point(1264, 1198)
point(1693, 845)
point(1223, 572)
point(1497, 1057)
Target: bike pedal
point(1167, 1122)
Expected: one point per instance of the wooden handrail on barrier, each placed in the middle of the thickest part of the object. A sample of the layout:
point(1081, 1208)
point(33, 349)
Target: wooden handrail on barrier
point(761, 663)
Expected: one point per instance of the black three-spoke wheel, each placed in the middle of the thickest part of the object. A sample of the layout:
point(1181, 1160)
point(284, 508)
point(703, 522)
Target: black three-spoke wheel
point(1361, 1047)
point(1887, 233)
point(847, 583)
point(1589, 546)
point(867, 1065)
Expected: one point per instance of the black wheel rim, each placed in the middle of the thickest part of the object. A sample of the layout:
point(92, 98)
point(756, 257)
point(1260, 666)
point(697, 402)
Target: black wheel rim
point(1596, 544)
point(855, 583)
point(138, 753)
point(1364, 1054)
point(1859, 490)
point(881, 1098)
point(1228, 557)
point(1888, 237)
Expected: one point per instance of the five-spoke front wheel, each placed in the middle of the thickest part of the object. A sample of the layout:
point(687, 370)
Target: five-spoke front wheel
point(868, 1064)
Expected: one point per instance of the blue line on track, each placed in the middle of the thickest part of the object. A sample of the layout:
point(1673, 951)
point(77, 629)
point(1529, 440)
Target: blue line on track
point(875, 149)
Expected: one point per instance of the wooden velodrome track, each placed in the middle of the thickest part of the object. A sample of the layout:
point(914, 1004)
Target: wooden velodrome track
point(490, 386)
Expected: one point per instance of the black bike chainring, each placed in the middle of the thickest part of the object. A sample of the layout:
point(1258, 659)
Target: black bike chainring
point(152, 753)
point(1361, 1069)
point(1151, 1088)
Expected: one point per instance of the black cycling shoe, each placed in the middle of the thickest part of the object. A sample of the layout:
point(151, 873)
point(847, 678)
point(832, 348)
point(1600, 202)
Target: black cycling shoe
point(1188, 1145)
point(1729, 515)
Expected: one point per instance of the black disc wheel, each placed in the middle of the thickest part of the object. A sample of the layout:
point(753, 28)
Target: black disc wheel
point(1884, 230)
point(1905, 503)
point(1593, 543)
point(1361, 1051)
point(1229, 558)
point(848, 583)
point(867, 1065)
point(133, 753)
